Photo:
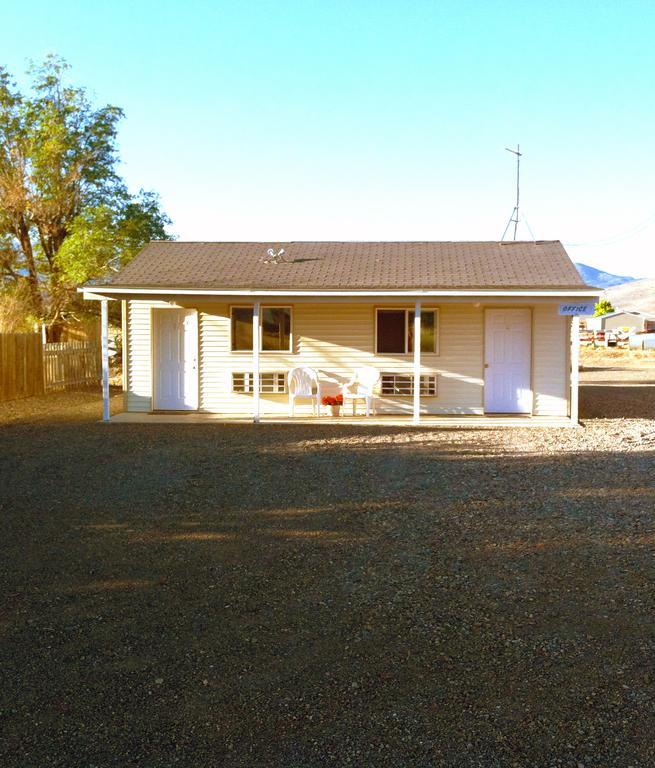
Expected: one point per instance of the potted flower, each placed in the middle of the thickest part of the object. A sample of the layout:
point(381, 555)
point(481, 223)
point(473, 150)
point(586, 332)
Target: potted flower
point(334, 402)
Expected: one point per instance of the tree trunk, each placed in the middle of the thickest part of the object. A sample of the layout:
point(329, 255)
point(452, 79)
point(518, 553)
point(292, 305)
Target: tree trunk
point(32, 276)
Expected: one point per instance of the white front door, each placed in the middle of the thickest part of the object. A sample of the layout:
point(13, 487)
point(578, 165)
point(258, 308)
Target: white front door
point(175, 359)
point(508, 343)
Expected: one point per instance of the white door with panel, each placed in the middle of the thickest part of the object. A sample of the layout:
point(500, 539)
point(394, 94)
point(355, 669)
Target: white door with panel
point(508, 346)
point(175, 359)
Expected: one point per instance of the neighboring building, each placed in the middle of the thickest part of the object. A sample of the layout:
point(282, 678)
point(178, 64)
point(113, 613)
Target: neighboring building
point(645, 341)
point(492, 338)
point(621, 320)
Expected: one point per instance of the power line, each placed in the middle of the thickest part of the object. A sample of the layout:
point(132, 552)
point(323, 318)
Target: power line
point(619, 237)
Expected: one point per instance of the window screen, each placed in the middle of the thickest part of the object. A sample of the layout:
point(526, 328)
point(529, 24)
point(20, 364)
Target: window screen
point(241, 328)
point(428, 335)
point(276, 329)
point(391, 330)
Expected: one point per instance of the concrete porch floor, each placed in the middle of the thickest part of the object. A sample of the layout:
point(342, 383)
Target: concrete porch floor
point(432, 422)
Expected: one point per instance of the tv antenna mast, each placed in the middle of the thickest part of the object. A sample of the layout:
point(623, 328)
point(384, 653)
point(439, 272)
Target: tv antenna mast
point(515, 213)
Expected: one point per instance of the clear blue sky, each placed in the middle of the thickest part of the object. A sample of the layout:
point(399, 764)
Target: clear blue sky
point(374, 119)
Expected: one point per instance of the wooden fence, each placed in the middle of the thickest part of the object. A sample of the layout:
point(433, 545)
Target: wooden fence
point(71, 364)
point(21, 365)
point(29, 367)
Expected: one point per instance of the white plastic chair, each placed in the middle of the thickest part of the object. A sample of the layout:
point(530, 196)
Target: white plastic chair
point(362, 387)
point(304, 383)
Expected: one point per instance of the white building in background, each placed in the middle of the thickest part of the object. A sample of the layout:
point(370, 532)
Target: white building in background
point(621, 320)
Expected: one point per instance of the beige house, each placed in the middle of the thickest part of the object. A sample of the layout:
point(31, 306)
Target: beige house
point(203, 321)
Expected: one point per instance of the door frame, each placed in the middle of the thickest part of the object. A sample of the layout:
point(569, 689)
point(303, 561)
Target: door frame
point(153, 357)
point(486, 307)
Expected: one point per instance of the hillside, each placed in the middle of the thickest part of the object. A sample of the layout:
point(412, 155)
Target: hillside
point(639, 294)
point(600, 279)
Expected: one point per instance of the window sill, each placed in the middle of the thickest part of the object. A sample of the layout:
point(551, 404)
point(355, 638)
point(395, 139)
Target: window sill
point(249, 352)
point(409, 397)
point(409, 355)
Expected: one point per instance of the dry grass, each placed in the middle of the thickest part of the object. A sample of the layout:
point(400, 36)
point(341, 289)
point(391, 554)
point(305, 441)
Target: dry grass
point(590, 357)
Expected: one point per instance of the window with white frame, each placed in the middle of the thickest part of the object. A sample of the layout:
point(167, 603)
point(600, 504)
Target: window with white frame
point(275, 329)
point(401, 384)
point(394, 331)
point(269, 383)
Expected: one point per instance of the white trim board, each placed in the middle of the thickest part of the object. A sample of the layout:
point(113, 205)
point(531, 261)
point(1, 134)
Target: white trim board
point(91, 292)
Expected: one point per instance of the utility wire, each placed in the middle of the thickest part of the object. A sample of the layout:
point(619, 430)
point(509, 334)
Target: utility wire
point(619, 237)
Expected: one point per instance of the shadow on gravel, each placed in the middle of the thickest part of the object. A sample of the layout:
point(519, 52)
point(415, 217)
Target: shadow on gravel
point(598, 401)
point(610, 368)
point(218, 596)
point(73, 406)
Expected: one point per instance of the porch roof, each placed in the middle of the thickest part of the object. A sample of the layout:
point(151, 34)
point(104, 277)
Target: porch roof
point(324, 267)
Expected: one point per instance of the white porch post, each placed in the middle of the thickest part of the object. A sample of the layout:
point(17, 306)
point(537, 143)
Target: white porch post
point(417, 363)
point(575, 367)
point(124, 350)
point(255, 362)
point(104, 345)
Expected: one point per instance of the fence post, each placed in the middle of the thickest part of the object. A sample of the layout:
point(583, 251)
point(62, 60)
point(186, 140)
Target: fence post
point(42, 360)
point(105, 358)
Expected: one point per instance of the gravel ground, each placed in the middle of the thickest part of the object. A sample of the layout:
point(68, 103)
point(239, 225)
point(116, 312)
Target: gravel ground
point(298, 596)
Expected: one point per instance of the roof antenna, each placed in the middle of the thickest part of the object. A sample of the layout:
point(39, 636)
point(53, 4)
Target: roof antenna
point(515, 213)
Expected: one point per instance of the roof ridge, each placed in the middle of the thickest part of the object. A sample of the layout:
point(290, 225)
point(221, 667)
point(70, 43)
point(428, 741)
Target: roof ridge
point(363, 242)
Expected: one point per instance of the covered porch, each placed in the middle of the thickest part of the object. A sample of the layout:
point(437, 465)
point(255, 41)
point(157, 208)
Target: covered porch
point(444, 385)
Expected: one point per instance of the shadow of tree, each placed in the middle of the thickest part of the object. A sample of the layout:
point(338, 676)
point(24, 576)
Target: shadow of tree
point(599, 401)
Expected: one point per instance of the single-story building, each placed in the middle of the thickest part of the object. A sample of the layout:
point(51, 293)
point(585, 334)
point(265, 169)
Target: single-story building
point(204, 321)
point(629, 320)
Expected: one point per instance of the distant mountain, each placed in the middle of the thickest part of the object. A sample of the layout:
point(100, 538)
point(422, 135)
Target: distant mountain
point(600, 279)
point(637, 295)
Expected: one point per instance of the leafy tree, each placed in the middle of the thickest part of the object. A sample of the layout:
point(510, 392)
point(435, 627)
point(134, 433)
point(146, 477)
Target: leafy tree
point(603, 307)
point(66, 215)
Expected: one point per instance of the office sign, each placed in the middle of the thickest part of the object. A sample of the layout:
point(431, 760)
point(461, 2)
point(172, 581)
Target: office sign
point(574, 308)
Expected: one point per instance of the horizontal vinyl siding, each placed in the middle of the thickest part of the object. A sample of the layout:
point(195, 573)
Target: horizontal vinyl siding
point(215, 373)
point(550, 361)
point(335, 339)
point(139, 354)
point(139, 369)
point(460, 364)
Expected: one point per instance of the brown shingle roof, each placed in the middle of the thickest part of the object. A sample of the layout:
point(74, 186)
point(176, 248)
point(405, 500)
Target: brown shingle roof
point(351, 265)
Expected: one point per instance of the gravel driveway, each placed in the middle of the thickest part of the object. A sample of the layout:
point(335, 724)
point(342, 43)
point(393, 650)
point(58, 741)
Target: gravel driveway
point(299, 596)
